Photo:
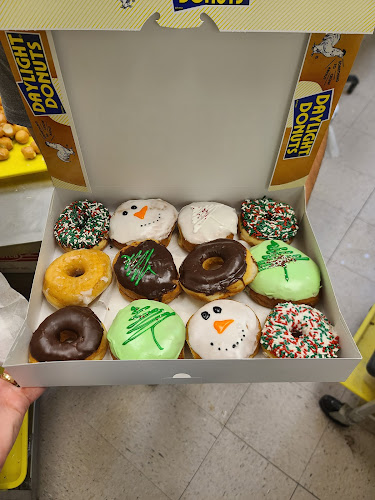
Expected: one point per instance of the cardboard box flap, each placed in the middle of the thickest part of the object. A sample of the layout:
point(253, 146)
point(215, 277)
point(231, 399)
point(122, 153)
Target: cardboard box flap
point(197, 105)
point(323, 16)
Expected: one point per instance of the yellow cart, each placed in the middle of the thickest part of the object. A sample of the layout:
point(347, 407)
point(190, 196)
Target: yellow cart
point(14, 471)
point(361, 382)
point(19, 476)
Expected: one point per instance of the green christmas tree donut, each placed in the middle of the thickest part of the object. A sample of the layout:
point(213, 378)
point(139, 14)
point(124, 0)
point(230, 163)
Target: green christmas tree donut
point(146, 329)
point(284, 274)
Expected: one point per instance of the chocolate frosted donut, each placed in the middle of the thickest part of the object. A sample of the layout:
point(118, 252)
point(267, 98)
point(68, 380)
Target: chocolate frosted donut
point(71, 333)
point(146, 270)
point(217, 269)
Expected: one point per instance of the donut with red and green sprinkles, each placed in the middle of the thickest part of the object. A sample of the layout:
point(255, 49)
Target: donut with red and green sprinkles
point(82, 224)
point(298, 331)
point(266, 219)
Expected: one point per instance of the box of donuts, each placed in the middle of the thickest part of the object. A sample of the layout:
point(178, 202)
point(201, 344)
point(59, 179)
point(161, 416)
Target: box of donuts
point(146, 291)
point(175, 260)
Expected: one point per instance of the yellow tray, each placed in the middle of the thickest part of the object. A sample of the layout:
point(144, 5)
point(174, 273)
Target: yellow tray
point(15, 468)
point(360, 381)
point(17, 164)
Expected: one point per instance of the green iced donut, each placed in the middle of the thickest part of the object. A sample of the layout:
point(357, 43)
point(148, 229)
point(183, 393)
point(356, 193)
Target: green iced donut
point(146, 329)
point(284, 272)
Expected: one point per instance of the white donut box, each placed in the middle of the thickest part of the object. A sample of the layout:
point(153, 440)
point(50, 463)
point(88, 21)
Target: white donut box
point(203, 114)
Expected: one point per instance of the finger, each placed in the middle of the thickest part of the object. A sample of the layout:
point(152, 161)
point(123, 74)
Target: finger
point(32, 393)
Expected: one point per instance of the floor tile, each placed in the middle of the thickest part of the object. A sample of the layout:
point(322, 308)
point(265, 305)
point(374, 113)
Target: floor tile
point(302, 494)
point(283, 422)
point(364, 67)
point(354, 293)
point(321, 388)
point(354, 401)
point(234, 470)
point(340, 129)
point(76, 462)
point(343, 465)
point(164, 434)
point(219, 400)
point(356, 250)
point(349, 193)
point(329, 224)
point(365, 120)
point(367, 214)
point(358, 152)
point(351, 106)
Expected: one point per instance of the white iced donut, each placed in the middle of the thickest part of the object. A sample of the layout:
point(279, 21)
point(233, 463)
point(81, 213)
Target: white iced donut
point(202, 221)
point(223, 329)
point(140, 220)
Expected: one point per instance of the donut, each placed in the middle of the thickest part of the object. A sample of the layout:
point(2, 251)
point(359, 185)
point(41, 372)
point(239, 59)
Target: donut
point(146, 270)
point(200, 222)
point(146, 329)
point(223, 329)
point(71, 333)
point(217, 269)
point(76, 278)
point(298, 331)
point(82, 224)
point(266, 219)
point(140, 220)
point(284, 274)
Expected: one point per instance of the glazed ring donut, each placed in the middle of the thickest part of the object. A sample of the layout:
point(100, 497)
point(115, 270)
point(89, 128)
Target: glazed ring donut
point(217, 270)
point(71, 333)
point(82, 224)
point(76, 278)
point(298, 331)
point(266, 219)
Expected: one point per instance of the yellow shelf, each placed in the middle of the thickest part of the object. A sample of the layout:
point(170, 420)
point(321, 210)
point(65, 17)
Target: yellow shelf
point(15, 468)
point(17, 164)
point(360, 382)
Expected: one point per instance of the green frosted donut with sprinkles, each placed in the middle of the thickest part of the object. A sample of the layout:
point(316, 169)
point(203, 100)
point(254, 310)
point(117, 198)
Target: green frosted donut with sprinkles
point(266, 219)
point(298, 331)
point(82, 224)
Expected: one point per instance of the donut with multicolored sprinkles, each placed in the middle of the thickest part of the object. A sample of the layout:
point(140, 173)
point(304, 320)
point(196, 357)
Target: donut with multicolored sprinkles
point(82, 225)
point(266, 219)
point(298, 331)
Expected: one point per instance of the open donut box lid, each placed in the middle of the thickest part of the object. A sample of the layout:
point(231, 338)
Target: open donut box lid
point(184, 115)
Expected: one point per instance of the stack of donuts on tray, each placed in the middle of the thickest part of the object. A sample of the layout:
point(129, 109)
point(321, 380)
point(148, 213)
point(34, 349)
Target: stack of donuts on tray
point(223, 254)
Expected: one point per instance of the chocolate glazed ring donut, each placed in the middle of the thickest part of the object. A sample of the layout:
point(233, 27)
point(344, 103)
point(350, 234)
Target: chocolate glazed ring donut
point(218, 269)
point(71, 333)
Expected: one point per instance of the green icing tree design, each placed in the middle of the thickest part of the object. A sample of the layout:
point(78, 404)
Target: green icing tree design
point(277, 256)
point(144, 319)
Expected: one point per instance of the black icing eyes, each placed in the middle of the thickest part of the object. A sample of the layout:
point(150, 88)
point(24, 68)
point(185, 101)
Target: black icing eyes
point(133, 207)
point(206, 315)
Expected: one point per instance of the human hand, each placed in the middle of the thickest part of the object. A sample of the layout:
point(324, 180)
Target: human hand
point(14, 402)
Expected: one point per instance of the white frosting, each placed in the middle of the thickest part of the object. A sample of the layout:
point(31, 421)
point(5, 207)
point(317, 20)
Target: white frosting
point(155, 222)
point(206, 221)
point(239, 326)
point(87, 297)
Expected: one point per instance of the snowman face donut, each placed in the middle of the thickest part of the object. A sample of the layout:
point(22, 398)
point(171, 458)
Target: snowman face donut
point(224, 329)
point(140, 220)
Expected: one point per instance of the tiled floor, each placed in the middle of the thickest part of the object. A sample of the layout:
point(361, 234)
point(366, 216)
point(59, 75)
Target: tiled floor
point(246, 441)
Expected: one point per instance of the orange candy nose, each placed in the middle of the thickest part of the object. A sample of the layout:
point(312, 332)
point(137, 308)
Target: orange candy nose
point(221, 326)
point(141, 214)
